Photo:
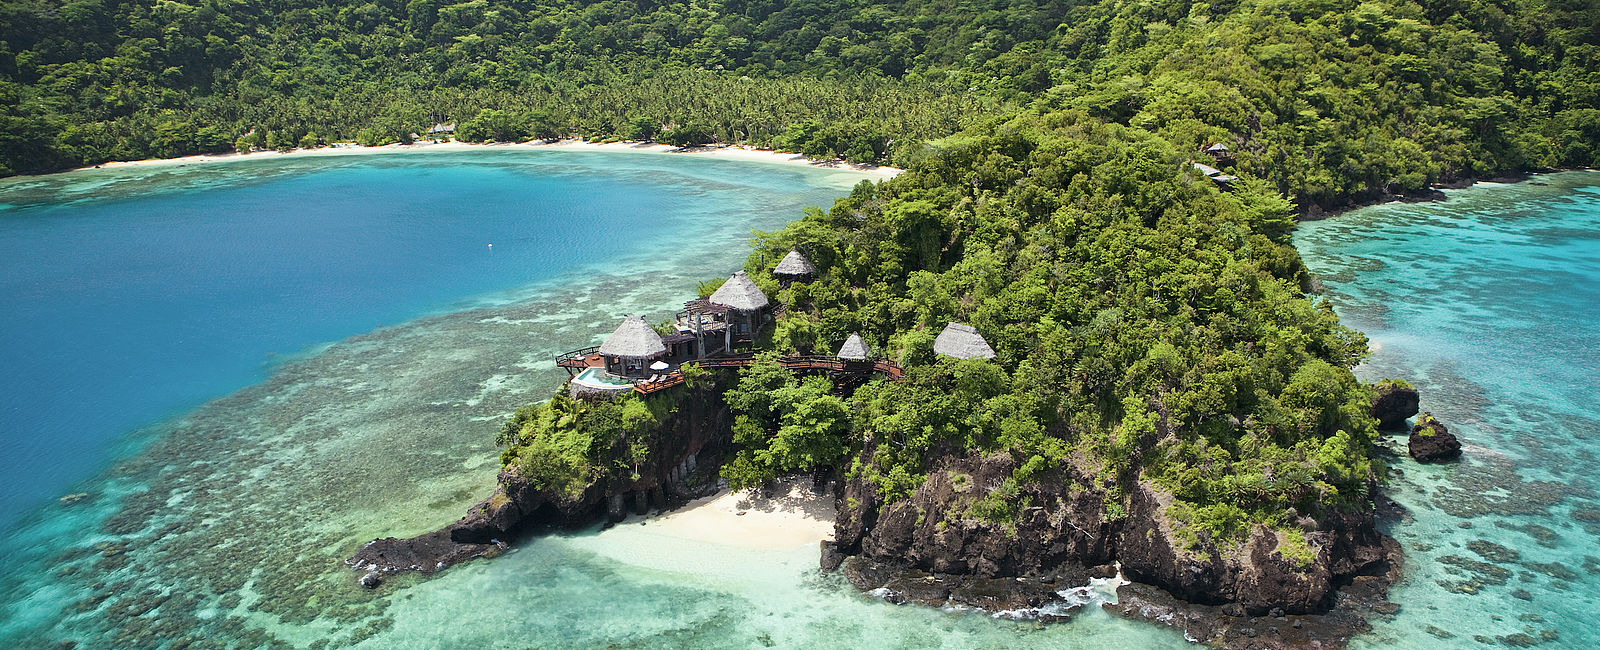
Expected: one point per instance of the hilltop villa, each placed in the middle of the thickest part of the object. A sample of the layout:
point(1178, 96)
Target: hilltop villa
point(639, 358)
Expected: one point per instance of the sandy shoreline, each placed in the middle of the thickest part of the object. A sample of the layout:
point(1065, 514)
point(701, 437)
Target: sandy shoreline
point(730, 152)
point(793, 517)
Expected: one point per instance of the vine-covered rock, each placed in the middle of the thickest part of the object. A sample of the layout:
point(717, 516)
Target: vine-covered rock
point(1064, 529)
point(1393, 402)
point(1432, 442)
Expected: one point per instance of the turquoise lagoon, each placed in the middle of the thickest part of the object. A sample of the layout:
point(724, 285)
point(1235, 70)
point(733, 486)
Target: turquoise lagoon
point(1487, 302)
point(251, 368)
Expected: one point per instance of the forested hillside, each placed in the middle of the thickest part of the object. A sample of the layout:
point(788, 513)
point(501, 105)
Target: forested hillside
point(1327, 99)
point(1148, 328)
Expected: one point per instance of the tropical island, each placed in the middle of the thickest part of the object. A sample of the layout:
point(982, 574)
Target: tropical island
point(1072, 337)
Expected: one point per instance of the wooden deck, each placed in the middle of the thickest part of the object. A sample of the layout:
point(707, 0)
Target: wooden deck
point(590, 358)
point(797, 363)
point(581, 358)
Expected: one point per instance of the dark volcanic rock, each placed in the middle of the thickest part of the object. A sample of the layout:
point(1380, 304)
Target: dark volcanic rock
point(1393, 404)
point(917, 587)
point(1059, 533)
point(899, 584)
point(1432, 442)
point(425, 553)
point(1001, 594)
point(1217, 627)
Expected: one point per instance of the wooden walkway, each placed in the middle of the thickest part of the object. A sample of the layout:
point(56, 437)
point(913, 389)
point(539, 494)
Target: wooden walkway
point(589, 357)
point(797, 363)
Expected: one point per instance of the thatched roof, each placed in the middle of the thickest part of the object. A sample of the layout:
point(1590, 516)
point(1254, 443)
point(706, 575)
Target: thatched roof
point(855, 349)
point(740, 293)
point(962, 342)
point(1217, 148)
point(1207, 169)
point(795, 264)
point(633, 338)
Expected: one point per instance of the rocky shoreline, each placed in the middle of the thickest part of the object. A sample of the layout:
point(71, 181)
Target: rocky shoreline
point(1313, 211)
point(926, 550)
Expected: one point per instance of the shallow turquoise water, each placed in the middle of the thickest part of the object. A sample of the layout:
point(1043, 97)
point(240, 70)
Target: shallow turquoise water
point(1487, 302)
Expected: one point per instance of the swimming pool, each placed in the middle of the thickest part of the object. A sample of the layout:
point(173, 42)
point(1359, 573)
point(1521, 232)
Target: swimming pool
point(599, 379)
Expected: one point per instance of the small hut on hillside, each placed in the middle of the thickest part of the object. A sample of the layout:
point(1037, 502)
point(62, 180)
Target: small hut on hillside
point(1221, 153)
point(794, 267)
point(740, 295)
point(855, 349)
point(962, 342)
point(629, 350)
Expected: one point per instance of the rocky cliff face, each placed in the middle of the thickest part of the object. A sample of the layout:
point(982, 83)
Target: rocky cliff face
point(1061, 532)
point(685, 452)
point(1049, 534)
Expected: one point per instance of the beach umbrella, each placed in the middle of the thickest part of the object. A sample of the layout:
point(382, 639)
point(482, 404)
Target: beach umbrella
point(659, 365)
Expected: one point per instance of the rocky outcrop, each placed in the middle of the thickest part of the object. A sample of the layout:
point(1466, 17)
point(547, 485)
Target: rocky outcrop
point(1269, 571)
point(968, 524)
point(1229, 626)
point(685, 451)
point(1432, 442)
point(900, 585)
point(1054, 525)
point(1393, 403)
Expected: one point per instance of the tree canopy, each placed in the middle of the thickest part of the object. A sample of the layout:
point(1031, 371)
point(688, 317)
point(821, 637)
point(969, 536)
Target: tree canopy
point(1324, 100)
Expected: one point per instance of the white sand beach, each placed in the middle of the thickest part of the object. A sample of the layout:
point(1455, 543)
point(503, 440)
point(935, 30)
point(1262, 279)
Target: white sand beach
point(793, 517)
point(732, 152)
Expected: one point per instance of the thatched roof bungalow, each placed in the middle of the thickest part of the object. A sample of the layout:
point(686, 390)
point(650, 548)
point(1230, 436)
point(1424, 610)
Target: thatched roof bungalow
point(740, 293)
point(634, 339)
point(962, 342)
point(855, 349)
point(628, 348)
point(794, 265)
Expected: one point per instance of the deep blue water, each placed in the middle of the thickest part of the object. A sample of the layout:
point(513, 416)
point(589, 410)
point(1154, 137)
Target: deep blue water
point(137, 299)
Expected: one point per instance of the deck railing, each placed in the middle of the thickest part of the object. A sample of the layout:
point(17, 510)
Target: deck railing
point(796, 362)
point(673, 378)
point(808, 362)
point(575, 358)
point(738, 361)
point(889, 369)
